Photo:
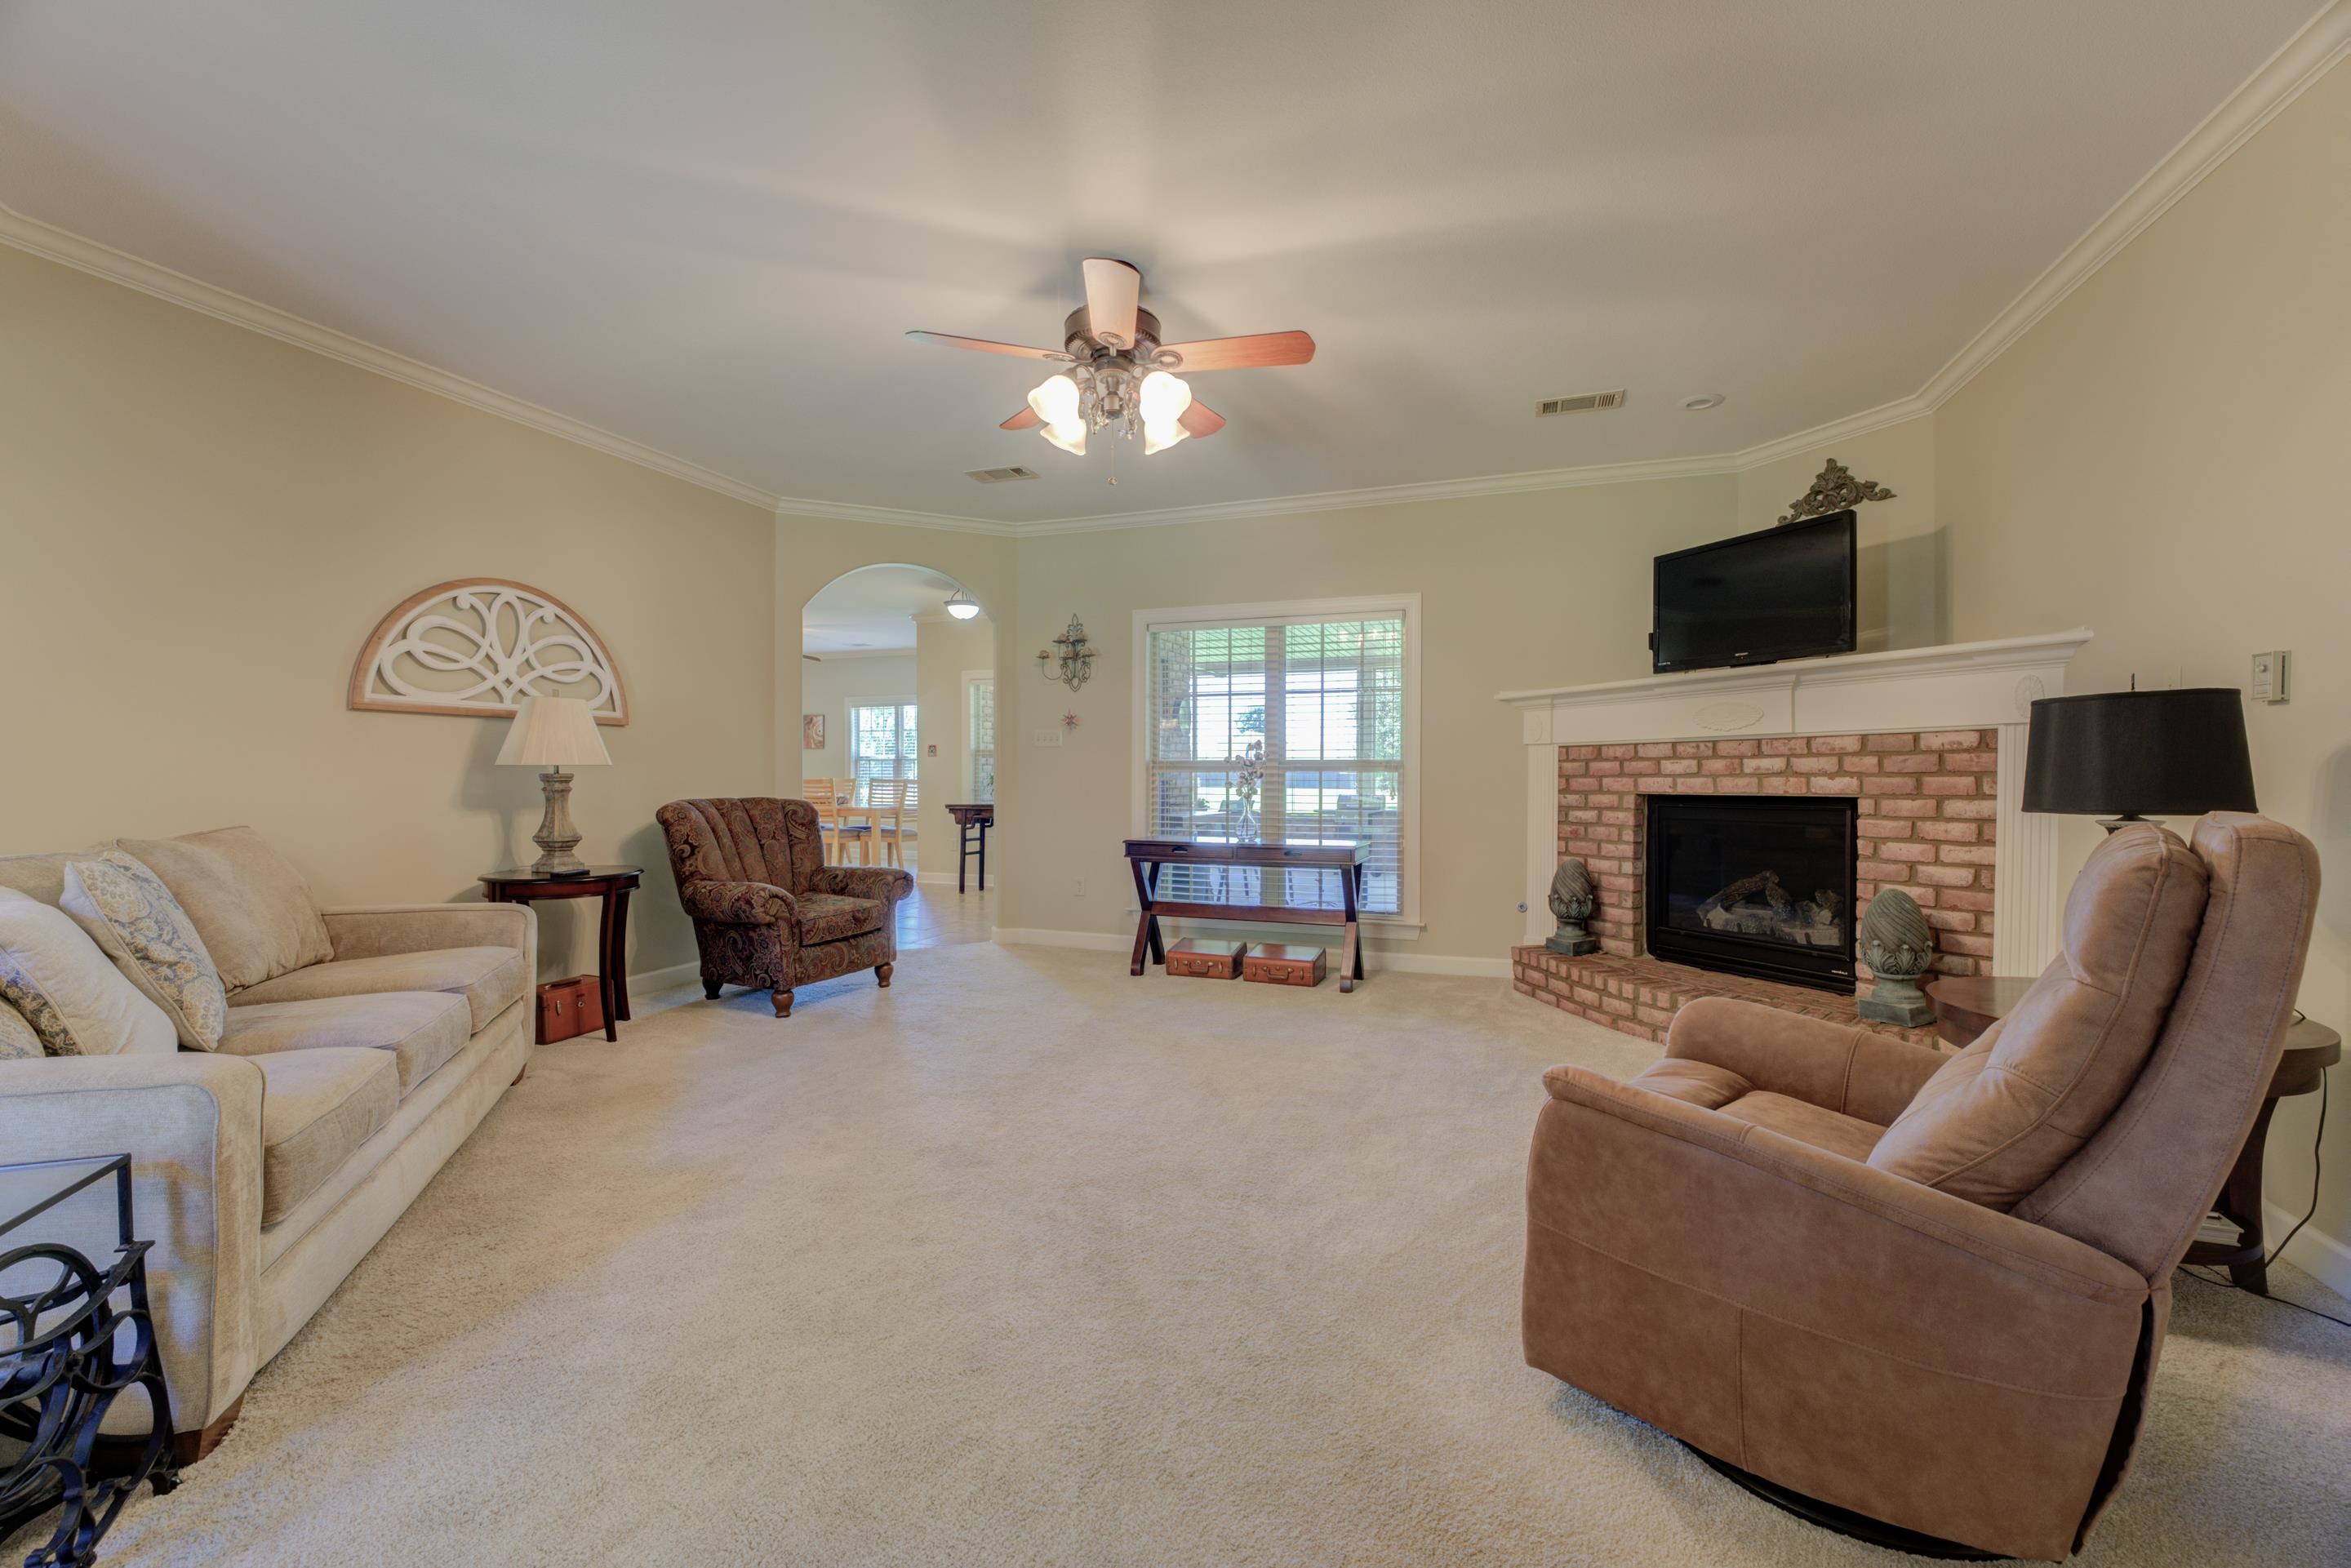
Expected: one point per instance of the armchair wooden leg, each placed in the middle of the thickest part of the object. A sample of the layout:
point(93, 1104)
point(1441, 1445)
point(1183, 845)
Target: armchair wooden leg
point(881, 972)
point(709, 989)
point(783, 1001)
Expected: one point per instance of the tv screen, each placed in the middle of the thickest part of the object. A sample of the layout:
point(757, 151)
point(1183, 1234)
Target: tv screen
point(1784, 593)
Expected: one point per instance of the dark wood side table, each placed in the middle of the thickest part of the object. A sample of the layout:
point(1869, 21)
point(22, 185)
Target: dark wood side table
point(611, 883)
point(972, 817)
point(1145, 857)
point(1965, 1008)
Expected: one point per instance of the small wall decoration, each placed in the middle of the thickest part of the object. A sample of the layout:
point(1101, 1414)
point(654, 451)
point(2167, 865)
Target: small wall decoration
point(1074, 664)
point(477, 646)
point(1834, 491)
point(811, 732)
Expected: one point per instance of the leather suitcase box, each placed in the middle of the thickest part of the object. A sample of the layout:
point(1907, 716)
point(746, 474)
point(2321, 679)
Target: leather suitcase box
point(1282, 964)
point(569, 1007)
point(1206, 960)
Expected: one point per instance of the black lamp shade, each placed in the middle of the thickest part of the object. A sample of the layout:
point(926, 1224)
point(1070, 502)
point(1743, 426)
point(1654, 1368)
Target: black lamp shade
point(2145, 754)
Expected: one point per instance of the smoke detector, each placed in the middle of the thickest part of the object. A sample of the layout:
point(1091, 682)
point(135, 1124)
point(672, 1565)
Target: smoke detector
point(999, 475)
point(1702, 401)
point(1584, 402)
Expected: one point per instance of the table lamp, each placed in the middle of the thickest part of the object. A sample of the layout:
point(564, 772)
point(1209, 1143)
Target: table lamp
point(2178, 753)
point(555, 733)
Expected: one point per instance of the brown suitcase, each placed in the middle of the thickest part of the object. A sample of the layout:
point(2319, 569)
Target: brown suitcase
point(1206, 960)
point(569, 1007)
point(1284, 964)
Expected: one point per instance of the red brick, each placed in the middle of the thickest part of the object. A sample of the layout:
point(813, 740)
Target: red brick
point(1654, 748)
point(1835, 745)
point(1904, 807)
point(1947, 876)
point(1952, 833)
point(1677, 766)
point(1782, 784)
point(1882, 870)
point(1882, 827)
point(1784, 746)
point(1843, 784)
point(1620, 819)
point(1817, 764)
point(1584, 814)
point(1641, 767)
point(1618, 751)
point(1949, 740)
point(1581, 753)
point(1948, 784)
point(1889, 783)
point(1960, 942)
point(1949, 919)
point(1608, 769)
point(1736, 747)
point(1899, 741)
point(1896, 851)
point(1969, 762)
point(1714, 766)
point(1911, 762)
point(1969, 854)
point(1693, 748)
point(1764, 765)
point(1659, 785)
point(1969, 898)
point(1980, 810)
point(1739, 785)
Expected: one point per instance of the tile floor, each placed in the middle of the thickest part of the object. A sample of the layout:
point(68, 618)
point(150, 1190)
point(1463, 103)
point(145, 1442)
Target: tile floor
point(938, 916)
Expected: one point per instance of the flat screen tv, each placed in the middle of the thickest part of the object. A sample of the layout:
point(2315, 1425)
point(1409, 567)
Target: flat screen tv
point(1784, 593)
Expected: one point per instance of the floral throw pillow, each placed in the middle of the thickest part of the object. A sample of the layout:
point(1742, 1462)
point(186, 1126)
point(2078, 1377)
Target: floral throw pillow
point(63, 985)
point(131, 914)
point(17, 1039)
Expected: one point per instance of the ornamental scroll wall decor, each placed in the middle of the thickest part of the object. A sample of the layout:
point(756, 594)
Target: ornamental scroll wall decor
point(479, 645)
point(1834, 491)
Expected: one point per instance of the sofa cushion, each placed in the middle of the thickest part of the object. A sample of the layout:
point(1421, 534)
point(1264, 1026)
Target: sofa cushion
point(137, 923)
point(317, 1108)
point(491, 980)
point(1807, 1123)
point(421, 1030)
point(830, 917)
point(71, 994)
point(1998, 1118)
point(253, 908)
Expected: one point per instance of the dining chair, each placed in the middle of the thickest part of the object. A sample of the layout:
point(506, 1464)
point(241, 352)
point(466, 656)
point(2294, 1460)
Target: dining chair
point(835, 832)
point(885, 810)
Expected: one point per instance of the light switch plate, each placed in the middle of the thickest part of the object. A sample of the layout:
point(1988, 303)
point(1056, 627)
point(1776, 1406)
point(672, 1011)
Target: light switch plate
point(2269, 677)
point(1046, 737)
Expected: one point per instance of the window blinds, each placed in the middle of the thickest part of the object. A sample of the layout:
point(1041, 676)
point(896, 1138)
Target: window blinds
point(983, 740)
point(882, 743)
point(1282, 732)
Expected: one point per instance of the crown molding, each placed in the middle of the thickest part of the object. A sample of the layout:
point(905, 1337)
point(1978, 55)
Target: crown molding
point(2301, 60)
point(29, 234)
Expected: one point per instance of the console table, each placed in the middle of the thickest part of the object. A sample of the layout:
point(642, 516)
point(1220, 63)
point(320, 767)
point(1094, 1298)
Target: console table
point(973, 817)
point(1146, 857)
point(612, 884)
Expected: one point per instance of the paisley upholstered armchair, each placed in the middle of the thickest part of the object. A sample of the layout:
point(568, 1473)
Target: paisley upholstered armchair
point(767, 911)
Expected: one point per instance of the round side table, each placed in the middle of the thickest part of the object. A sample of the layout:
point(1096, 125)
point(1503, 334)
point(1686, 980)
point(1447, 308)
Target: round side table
point(1965, 1008)
point(611, 883)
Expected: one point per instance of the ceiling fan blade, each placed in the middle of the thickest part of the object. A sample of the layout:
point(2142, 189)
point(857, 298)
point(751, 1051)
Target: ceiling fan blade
point(1025, 420)
point(1200, 419)
point(1113, 289)
point(984, 346)
point(1253, 352)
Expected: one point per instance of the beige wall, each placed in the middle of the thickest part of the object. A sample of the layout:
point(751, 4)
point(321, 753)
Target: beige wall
point(831, 688)
point(945, 649)
point(1902, 584)
point(201, 526)
point(2162, 459)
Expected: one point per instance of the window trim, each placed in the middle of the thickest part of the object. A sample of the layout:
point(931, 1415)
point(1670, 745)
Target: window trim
point(1202, 617)
point(970, 780)
point(849, 732)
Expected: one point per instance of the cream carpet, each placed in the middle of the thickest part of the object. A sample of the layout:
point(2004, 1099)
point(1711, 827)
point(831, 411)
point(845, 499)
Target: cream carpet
point(1025, 1261)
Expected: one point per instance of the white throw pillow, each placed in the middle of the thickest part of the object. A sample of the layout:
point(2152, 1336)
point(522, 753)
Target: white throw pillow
point(136, 922)
point(17, 1039)
point(72, 995)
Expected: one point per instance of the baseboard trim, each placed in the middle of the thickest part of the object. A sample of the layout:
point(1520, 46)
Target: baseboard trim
point(2314, 1252)
point(946, 878)
point(1374, 958)
point(663, 980)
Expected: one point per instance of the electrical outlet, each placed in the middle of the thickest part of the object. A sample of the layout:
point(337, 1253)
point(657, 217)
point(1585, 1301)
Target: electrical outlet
point(2269, 677)
point(1077, 887)
point(1046, 737)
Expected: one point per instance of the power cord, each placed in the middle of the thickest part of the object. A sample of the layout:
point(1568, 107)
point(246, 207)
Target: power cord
point(2279, 1249)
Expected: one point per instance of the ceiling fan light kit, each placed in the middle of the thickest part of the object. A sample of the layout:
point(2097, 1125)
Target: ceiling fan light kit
point(1121, 376)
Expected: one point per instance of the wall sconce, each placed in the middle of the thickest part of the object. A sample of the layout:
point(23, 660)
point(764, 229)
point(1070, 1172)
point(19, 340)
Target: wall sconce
point(1074, 664)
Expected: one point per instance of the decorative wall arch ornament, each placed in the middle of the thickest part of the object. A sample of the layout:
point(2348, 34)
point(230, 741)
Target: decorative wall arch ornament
point(477, 646)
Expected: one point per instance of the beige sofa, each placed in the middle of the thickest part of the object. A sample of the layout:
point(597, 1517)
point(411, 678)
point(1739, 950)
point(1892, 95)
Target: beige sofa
point(362, 1047)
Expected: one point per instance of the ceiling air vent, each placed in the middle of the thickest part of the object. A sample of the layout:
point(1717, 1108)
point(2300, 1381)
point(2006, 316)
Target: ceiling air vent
point(1586, 403)
point(999, 475)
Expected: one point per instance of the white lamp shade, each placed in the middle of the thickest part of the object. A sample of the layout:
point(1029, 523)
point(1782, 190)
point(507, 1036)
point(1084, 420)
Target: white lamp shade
point(553, 732)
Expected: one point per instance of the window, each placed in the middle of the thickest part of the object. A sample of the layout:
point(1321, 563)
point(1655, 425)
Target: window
point(1287, 723)
point(979, 732)
point(880, 742)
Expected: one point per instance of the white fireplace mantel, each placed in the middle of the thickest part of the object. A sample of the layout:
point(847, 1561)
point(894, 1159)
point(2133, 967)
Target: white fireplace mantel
point(1959, 685)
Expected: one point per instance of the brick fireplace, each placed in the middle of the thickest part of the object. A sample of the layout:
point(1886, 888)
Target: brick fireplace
point(1935, 803)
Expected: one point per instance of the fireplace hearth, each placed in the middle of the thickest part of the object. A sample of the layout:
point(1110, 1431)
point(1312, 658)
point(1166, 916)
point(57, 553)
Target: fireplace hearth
point(1761, 886)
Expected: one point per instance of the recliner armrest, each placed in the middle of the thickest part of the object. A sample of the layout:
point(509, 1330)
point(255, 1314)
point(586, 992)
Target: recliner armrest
point(371, 931)
point(190, 1123)
point(1838, 1067)
point(740, 904)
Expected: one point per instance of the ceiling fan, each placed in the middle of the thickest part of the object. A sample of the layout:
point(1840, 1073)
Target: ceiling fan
point(1121, 375)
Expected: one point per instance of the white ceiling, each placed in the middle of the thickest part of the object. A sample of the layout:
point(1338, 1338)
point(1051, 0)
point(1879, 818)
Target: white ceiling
point(705, 226)
point(871, 609)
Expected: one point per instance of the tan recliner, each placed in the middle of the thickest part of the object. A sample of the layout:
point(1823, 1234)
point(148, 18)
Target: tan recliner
point(1928, 1289)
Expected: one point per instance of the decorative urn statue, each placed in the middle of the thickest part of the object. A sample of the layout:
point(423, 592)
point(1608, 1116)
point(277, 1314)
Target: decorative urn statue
point(1572, 903)
point(1898, 945)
